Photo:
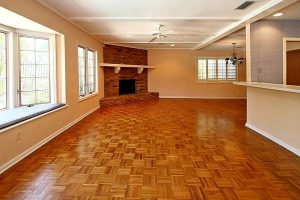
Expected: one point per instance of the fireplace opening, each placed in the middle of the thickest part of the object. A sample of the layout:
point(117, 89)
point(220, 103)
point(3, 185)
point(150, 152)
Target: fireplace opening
point(127, 86)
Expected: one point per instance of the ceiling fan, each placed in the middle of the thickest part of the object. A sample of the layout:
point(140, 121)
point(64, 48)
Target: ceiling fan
point(158, 34)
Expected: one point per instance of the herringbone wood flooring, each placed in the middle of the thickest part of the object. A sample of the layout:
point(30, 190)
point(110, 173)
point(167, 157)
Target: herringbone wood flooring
point(166, 149)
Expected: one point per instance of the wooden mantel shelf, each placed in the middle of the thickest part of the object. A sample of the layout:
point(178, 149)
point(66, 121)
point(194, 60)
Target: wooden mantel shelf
point(118, 67)
point(125, 65)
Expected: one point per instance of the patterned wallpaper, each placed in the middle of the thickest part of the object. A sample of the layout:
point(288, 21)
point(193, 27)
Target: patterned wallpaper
point(267, 46)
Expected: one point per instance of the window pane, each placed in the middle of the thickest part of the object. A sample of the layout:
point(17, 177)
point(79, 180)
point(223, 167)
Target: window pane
point(42, 58)
point(42, 71)
point(34, 70)
point(42, 84)
point(27, 98)
point(81, 70)
point(42, 96)
point(91, 71)
point(2, 93)
point(27, 57)
point(26, 43)
point(27, 71)
point(27, 84)
point(231, 72)
point(3, 89)
point(221, 69)
point(42, 45)
point(212, 67)
point(202, 69)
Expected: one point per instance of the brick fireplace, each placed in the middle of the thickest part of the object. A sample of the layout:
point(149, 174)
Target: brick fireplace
point(111, 80)
point(123, 55)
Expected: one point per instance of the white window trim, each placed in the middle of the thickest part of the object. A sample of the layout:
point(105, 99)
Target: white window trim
point(6, 66)
point(96, 92)
point(52, 62)
point(212, 81)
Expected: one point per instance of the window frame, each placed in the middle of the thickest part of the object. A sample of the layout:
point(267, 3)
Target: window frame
point(52, 64)
point(87, 93)
point(6, 67)
point(19, 58)
point(213, 80)
point(94, 70)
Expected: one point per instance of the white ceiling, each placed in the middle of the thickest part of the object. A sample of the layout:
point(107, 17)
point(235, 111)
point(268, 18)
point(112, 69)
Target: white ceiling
point(238, 37)
point(188, 23)
point(291, 12)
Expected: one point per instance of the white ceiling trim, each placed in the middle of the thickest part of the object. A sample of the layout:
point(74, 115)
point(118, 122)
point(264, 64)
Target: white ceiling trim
point(260, 13)
point(173, 33)
point(89, 19)
point(156, 42)
point(172, 48)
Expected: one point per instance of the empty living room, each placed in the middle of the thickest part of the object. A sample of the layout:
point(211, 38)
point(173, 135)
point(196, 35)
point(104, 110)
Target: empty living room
point(149, 99)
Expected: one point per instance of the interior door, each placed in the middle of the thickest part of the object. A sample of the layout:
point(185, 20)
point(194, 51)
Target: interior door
point(293, 67)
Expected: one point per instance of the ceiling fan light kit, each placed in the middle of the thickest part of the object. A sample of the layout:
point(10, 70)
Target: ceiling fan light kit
point(158, 34)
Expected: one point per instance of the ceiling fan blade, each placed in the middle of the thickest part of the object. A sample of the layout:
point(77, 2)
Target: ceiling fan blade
point(160, 26)
point(152, 39)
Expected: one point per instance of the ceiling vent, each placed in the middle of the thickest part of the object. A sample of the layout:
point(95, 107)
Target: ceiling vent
point(245, 5)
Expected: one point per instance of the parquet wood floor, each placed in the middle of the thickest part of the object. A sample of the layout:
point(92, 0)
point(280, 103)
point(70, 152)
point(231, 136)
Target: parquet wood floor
point(166, 149)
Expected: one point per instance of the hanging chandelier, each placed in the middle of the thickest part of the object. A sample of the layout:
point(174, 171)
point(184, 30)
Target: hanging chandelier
point(234, 59)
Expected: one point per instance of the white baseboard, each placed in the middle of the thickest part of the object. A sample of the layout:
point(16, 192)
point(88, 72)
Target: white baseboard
point(21, 156)
point(197, 97)
point(274, 139)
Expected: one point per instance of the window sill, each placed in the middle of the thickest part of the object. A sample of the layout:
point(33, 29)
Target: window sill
point(19, 123)
point(87, 97)
point(215, 82)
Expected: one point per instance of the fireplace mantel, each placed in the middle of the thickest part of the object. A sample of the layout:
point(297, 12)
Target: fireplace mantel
point(118, 67)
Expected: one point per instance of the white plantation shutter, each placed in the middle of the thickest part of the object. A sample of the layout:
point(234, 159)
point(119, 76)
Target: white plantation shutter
point(211, 69)
point(222, 69)
point(215, 69)
point(202, 65)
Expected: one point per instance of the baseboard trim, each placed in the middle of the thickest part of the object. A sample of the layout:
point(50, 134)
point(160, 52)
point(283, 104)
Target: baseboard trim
point(192, 97)
point(27, 152)
point(274, 139)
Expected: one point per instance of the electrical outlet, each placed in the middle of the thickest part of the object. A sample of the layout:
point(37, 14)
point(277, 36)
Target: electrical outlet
point(19, 136)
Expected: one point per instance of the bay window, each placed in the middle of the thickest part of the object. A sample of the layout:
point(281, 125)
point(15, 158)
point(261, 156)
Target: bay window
point(32, 70)
point(27, 70)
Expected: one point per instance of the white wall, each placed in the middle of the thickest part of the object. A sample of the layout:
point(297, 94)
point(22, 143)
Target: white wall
point(275, 114)
point(175, 75)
